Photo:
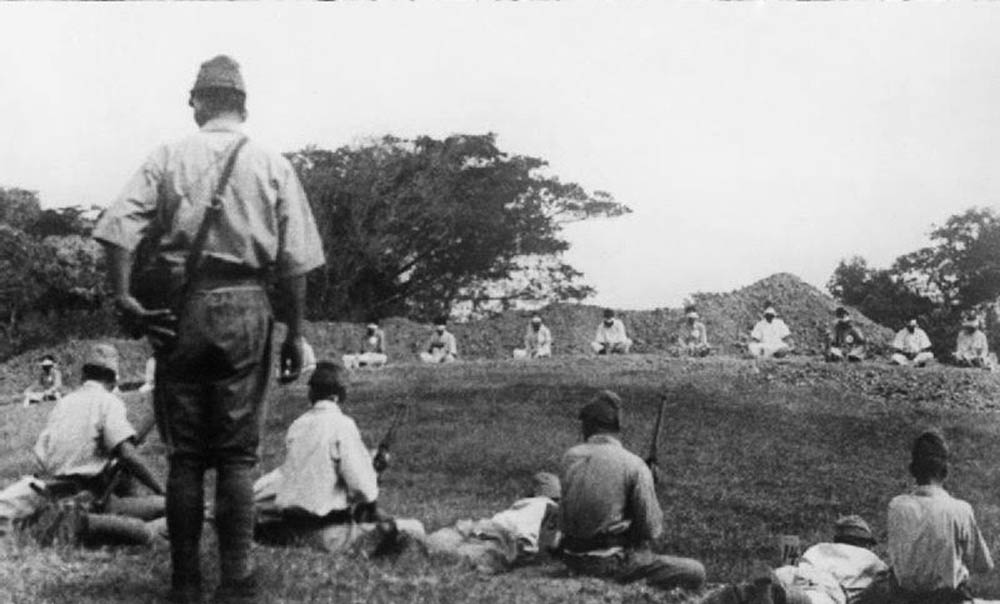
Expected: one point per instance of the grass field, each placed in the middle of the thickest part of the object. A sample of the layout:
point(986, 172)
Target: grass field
point(746, 456)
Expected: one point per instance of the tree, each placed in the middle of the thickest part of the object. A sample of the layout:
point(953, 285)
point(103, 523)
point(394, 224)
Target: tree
point(19, 208)
point(879, 294)
point(412, 227)
point(961, 269)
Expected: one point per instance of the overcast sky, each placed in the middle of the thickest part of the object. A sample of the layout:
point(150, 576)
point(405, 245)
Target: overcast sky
point(748, 138)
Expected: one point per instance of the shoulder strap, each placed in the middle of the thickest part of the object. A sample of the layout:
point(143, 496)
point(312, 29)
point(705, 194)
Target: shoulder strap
point(194, 255)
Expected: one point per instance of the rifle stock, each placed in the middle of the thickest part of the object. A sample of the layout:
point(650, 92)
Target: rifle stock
point(381, 461)
point(111, 473)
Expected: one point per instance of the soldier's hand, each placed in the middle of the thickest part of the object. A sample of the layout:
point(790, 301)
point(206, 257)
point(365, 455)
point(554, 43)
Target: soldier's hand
point(381, 461)
point(654, 469)
point(159, 324)
point(290, 361)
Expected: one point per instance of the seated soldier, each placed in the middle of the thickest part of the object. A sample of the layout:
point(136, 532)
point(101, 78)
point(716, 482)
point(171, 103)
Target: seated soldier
point(87, 429)
point(372, 350)
point(846, 340)
point(693, 339)
point(611, 337)
point(971, 349)
point(530, 526)
point(442, 347)
point(827, 573)
point(912, 346)
point(324, 493)
point(609, 513)
point(88, 432)
point(49, 385)
point(537, 341)
point(768, 337)
point(934, 541)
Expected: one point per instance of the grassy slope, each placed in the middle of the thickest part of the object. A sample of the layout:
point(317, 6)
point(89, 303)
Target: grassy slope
point(747, 456)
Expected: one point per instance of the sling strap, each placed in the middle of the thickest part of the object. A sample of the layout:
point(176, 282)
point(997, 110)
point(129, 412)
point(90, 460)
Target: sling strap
point(193, 260)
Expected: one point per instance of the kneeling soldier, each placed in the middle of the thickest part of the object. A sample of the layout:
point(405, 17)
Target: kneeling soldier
point(609, 513)
point(324, 493)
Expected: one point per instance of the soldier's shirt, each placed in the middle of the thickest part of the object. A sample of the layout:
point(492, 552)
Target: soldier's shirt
point(770, 333)
point(327, 466)
point(934, 540)
point(266, 222)
point(604, 485)
point(615, 334)
point(82, 431)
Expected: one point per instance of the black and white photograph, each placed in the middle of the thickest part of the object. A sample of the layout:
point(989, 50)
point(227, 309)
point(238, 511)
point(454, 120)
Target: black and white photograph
point(529, 302)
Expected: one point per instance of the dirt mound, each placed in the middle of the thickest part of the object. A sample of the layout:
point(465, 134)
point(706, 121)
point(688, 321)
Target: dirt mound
point(807, 311)
point(728, 317)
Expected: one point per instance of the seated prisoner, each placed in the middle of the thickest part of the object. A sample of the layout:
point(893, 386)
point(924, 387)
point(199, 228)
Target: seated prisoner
point(611, 337)
point(693, 339)
point(847, 343)
point(769, 336)
point(442, 346)
point(48, 386)
point(371, 353)
point(537, 341)
point(912, 346)
point(971, 347)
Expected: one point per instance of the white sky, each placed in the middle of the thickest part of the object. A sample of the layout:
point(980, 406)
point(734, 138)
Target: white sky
point(749, 138)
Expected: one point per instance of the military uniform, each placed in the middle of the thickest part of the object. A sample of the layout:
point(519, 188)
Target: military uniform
point(609, 511)
point(210, 385)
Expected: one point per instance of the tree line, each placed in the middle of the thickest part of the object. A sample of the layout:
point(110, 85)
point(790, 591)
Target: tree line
point(410, 227)
point(958, 272)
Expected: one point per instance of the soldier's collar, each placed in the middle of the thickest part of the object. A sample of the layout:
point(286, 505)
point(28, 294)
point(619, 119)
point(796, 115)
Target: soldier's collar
point(604, 439)
point(222, 124)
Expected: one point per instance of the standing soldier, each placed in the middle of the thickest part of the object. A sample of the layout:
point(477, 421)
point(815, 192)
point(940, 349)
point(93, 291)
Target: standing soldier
point(221, 214)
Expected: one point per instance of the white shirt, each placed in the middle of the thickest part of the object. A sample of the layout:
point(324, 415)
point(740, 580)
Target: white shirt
point(911, 342)
point(838, 570)
point(82, 431)
point(327, 466)
point(934, 540)
point(611, 335)
point(524, 520)
point(534, 340)
point(770, 334)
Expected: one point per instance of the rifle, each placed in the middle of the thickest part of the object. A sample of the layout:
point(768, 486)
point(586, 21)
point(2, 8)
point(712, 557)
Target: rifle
point(368, 512)
point(652, 460)
point(381, 460)
point(113, 470)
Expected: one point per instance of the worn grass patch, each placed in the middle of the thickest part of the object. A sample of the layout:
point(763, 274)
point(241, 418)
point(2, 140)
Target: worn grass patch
point(747, 455)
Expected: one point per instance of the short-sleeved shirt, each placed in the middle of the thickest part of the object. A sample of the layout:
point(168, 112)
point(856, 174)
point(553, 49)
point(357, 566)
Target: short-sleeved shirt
point(605, 485)
point(443, 341)
point(266, 222)
point(535, 339)
point(82, 432)
point(694, 334)
point(934, 540)
point(613, 334)
point(770, 334)
point(971, 345)
point(911, 342)
point(327, 466)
